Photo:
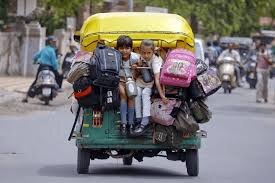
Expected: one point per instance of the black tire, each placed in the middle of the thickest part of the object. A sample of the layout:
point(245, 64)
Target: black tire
point(128, 161)
point(83, 161)
point(225, 86)
point(47, 102)
point(192, 162)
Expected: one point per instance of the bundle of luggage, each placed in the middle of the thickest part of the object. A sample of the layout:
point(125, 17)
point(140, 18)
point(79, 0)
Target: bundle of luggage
point(182, 115)
point(95, 79)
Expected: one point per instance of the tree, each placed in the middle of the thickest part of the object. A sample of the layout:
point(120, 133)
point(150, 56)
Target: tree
point(225, 17)
point(3, 10)
point(56, 12)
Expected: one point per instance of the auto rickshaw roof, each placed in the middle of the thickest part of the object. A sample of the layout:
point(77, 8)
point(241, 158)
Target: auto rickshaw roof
point(166, 30)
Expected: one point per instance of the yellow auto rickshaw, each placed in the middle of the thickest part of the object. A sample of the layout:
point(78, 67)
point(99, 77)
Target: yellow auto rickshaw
point(101, 141)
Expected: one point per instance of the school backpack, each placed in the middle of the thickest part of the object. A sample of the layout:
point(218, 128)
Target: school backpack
point(80, 66)
point(167, 136)
point(85, 93)
point(164, 114)
point(105, 67)
point(204, 85)
point(179, 68)
point(110, 98)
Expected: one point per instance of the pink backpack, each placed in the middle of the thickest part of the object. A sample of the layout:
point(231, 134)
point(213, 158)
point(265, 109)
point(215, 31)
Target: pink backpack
point(179, 68)
point(161, 113)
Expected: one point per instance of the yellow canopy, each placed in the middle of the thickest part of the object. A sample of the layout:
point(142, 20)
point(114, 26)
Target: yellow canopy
point(166, 30)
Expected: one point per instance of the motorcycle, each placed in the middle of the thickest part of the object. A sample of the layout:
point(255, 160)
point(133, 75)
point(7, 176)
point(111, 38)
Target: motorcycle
point(251, 73)
point(46, 86)
point(227, 74)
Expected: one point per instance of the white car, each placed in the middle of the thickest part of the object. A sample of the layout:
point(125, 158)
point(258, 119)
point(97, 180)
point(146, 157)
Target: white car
point(200, 50)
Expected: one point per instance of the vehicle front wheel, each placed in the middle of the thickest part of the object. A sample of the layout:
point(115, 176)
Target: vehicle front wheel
point(128, 161)
point(83, 161)
point(226, 87)
point(192, 162)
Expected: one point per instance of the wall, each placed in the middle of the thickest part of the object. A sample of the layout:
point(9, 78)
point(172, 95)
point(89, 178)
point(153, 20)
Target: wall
point(17, 50)
point(10, 44)
point(33, 41)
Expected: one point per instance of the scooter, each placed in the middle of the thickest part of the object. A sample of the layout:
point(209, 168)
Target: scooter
point(227, 73)
point(251, 73)
point(46, 86)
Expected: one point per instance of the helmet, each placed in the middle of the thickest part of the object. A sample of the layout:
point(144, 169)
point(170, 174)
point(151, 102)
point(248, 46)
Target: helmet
point(51, 38)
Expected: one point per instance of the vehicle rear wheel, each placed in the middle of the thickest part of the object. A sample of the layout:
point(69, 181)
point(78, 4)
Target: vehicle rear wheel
point(192, 162)
point(128, 161)
point(83, 161)
point(47, 102)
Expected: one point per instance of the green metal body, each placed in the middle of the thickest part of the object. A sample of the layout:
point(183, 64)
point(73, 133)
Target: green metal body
point(108, 136)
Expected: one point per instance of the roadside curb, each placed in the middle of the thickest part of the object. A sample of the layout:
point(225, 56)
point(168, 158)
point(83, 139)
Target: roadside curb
point(14, 88)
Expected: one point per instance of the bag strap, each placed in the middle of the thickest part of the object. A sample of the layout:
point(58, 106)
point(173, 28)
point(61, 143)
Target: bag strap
point(83, 93)
point(100, 96)
point(75, 121)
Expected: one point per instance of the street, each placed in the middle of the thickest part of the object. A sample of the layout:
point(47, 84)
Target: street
point(239, 148)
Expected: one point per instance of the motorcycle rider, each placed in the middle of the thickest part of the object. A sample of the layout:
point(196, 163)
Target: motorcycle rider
point(46, 58)
point(211, 53)
point(230, 52)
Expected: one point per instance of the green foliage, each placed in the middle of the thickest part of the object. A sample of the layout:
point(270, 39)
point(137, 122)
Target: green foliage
point(56, 12)
point(3, 10)
point(224, 17)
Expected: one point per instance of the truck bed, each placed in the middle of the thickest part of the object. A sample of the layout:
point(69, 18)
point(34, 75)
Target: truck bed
point(107, 135)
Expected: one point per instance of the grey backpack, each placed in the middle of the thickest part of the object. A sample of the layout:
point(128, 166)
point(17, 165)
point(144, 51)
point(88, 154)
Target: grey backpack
point(105, 67)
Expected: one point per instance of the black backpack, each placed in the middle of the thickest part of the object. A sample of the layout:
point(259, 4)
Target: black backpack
point(105, 67)
point(110, 99)
point(85, 93)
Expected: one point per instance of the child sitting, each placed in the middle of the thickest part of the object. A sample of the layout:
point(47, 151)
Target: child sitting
point(129, 60)
point(142, 101)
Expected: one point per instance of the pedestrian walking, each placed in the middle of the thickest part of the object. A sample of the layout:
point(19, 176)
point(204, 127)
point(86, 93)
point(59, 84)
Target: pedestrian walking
point(263, 62)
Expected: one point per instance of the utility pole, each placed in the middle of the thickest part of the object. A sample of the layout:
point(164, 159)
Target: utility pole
point(130, 5)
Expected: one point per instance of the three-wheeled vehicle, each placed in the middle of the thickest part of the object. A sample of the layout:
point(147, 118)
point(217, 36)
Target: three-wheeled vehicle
point(102, 139)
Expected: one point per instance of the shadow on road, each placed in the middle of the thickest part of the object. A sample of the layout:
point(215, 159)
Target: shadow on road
point(113, 170)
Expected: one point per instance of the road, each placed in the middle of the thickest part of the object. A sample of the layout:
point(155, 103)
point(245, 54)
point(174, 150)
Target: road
point(240, 148)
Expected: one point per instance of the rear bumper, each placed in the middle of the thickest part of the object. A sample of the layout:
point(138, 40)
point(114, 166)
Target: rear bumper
point(136, 144)
point(107, 136)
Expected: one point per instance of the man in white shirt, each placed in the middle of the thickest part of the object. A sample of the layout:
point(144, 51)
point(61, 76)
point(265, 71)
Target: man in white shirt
point(230, 52)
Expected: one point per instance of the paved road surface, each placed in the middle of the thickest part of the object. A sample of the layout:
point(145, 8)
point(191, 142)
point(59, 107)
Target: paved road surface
point(240, 148)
